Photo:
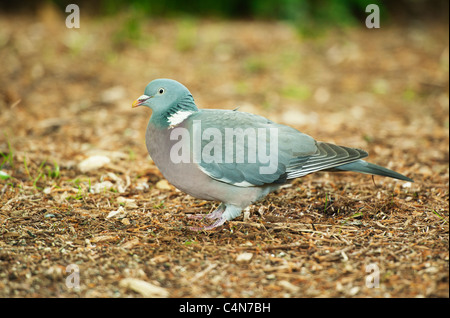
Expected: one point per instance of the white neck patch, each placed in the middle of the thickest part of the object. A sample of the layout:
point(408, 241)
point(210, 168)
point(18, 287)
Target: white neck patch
point(179, 117)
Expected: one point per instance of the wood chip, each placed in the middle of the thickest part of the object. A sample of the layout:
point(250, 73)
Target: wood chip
point(163, 185)
point(144, 288)
point(244, 258)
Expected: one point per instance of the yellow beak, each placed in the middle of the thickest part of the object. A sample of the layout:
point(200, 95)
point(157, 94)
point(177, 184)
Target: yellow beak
point(135, 103)
point(142, 99)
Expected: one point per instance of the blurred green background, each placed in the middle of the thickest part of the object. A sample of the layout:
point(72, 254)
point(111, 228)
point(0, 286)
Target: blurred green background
point(301, 12)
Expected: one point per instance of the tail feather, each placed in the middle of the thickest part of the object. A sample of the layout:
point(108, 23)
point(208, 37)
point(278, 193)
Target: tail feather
point(370, 168)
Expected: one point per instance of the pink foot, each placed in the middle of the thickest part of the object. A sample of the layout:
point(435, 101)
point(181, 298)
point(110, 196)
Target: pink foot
point(217, 223)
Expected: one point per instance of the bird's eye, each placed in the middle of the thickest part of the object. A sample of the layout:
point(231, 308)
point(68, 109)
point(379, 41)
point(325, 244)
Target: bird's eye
point(161, 90)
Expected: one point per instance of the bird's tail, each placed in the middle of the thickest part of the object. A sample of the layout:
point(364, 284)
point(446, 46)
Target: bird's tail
point(370, 168)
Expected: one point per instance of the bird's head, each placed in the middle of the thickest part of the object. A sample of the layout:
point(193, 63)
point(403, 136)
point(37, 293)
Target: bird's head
point(166, 97)
point(161, 93)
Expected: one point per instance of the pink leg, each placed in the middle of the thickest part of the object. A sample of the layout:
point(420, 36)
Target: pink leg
point(217, 213)
point(217, 223)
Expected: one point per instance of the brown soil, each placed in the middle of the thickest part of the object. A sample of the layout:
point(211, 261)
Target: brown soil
point(66, 94)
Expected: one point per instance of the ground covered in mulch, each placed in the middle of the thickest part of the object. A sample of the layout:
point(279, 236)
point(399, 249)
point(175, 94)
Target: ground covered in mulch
point(120, 230)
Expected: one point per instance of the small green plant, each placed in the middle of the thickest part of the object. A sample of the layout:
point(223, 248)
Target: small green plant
point(440, 216)
point(353, 216)
point(78, 196)
point(54, 172)
point(8, 158)
point(159, 205)
point(38, 175)
point(76, 181)
point(326, 202)
point(356, 215)
point(26, 167)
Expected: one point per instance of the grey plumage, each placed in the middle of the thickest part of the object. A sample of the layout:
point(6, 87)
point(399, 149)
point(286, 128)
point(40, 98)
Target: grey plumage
point(234, 157)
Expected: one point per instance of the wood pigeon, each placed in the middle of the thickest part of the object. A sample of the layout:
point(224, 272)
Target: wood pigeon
point(234, 157)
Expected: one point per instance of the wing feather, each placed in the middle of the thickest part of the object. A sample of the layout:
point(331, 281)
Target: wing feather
point(297, 154)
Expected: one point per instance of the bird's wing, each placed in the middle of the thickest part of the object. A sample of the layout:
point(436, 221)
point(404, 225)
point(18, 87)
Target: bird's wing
point(326, 157)
point(293, 154)
point(236, 147)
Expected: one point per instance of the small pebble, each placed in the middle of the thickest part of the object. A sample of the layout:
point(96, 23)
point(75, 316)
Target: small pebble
point(144, 288)
point(163, 185)
point(244, 258)
point(93, 163)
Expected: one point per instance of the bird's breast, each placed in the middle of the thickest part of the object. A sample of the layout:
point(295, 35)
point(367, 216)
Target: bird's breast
point(167, 154)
